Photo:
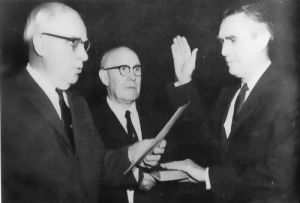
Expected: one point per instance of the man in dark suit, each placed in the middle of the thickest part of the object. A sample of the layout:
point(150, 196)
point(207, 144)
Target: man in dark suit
point(251, 130)
point(51, 150)
point(121, 73)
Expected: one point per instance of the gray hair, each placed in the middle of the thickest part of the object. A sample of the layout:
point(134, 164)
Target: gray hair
point(41, 15)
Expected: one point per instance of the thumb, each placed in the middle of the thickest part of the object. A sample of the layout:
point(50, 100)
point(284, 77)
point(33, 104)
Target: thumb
point(194, 54)
point(170, 165)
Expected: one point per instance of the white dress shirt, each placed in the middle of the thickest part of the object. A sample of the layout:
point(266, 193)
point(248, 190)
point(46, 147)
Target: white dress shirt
point(47, 87)
point(251, 82)
point(119, 111)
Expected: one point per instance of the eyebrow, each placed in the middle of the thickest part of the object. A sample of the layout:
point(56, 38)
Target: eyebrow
point(231, 37)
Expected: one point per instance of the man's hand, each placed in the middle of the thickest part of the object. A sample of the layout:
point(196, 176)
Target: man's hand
point(196, 172)
point(151, 160)
point(184, 59)
point(147, 183)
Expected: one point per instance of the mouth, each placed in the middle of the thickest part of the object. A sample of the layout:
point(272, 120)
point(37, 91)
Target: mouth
point(130, 87)
point(78, 70)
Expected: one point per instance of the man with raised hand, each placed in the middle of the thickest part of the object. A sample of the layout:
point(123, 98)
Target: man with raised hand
point(251, 131)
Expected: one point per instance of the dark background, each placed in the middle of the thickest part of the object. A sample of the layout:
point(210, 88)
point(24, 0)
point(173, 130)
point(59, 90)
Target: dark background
point(148, 27)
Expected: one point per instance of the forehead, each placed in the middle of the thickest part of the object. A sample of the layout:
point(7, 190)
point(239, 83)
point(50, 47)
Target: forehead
point(237, 25)
point(68, 24)
point(122, 56)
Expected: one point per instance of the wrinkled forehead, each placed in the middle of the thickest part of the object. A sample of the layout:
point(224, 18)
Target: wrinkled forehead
point(67, 24)
point(122, 56)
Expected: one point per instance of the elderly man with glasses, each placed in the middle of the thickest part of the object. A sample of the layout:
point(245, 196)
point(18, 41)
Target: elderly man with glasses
point(51, 150)
point(121, 121)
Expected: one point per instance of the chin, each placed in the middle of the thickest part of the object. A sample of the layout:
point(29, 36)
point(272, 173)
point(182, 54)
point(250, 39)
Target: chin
point(131, 97)
point(73, 80)
point(233, 70)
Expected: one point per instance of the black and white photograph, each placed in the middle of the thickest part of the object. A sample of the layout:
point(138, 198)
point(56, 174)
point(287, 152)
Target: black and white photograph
point(149, 101)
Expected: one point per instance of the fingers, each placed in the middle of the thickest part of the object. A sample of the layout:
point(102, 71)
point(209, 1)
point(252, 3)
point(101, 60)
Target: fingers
point(188, 180)
point(185, 46)
point(160, 148)
point(178, 40)
point(175, 46)
point(163, 144)
point(175, 165)
point(181, 45)
point(174, 50)
point(194, 55)
point(151, 160)
point(148, 182)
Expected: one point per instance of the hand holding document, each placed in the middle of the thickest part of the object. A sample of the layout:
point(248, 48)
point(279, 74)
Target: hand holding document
point(161, 135)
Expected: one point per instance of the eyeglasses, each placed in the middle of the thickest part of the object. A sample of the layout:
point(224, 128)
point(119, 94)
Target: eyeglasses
point(125, 69)
point(75, 41)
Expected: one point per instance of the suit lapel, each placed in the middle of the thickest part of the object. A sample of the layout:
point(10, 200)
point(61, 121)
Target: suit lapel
point(147, 127)
point(37, 97)
point(254, 99)
point(121, 134)
point(226, 97)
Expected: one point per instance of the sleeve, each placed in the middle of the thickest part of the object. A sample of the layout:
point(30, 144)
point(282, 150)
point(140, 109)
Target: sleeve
point(109, 164)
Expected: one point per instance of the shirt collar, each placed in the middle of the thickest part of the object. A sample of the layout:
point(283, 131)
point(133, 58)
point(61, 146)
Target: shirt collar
point(41, 80)
point(253, 80)
point(119, 109)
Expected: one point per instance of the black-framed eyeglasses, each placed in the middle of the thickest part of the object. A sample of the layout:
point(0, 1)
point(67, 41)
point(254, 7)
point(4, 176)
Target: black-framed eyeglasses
point(125, 69)
point(75, 41)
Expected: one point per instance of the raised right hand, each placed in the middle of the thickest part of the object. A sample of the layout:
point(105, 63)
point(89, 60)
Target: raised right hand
point(184, 59)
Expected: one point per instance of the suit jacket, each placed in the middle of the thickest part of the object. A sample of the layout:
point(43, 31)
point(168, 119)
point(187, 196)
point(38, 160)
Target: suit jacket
point(38, 164)
point(115, 137)
point(257, 162)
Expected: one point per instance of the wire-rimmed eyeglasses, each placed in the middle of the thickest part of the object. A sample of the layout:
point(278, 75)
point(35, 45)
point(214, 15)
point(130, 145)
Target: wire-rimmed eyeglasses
point(75, 41)
point(125, 69)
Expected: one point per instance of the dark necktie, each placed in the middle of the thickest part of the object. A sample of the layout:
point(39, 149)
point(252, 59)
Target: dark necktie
point(130, 129)
point(240, 101)
point(133, 138)
point(66, 117)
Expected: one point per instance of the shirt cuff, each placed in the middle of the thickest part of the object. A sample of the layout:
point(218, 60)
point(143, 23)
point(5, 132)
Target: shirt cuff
point(207, 181)
point(136, 173)
point(177, 84)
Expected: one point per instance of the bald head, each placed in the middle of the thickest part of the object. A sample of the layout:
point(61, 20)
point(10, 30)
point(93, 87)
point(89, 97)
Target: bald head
point(122, 88)
point(117, 55)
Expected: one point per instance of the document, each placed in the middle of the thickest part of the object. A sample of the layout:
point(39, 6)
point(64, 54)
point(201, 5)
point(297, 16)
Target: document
point(161, 135)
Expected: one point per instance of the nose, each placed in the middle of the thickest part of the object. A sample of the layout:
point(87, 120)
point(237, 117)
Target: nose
point(225, 48)
point(132, 75)
point(82, 54)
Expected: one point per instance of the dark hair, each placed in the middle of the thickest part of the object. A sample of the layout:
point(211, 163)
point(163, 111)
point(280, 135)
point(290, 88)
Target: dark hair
point(257, 11)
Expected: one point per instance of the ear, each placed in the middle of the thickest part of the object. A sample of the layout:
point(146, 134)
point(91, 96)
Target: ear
point(103, 77)
point(37, 45)
point(263, 39)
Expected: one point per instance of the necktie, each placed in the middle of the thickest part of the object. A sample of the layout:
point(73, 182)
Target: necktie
point(133, 138)
point(130, 129)
point(240, 101)
point(66, 117)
